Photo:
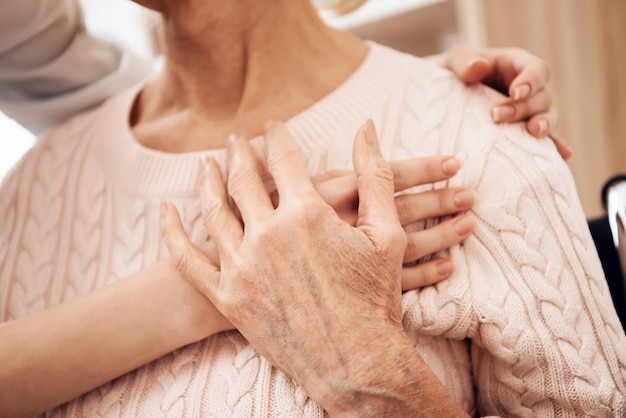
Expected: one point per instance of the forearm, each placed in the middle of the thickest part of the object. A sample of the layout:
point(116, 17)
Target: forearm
point(56, 355)
point(387, 378)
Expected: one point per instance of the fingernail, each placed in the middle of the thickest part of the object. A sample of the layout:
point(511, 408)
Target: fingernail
point(444, 268)
point(464, 199)
point(543, 127)
point(521, 92)
point(502, 113)
point(369, 130)
point(451, 166)
point(464, 226)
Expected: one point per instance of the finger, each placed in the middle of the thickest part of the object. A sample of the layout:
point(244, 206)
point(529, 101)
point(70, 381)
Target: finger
point(510, 111)
point(285, 163)
point(543, 124)
point(533, 76)
point(331, 175)
point(209, 249)
point(217, 216)
point(377, 212)
point(419, 206)
point(245, 184)
point(190, 261)
point(426, 274)
point(467, 63)
point(561, 146)
point(437, 238)
point(340, 193)
point(418, 171)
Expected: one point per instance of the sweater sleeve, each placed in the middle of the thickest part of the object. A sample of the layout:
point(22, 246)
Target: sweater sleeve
point(51, 68)
point(528, 291)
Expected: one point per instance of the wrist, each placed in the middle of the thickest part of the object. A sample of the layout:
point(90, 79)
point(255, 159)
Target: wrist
point(387, 378)
point(193, 316)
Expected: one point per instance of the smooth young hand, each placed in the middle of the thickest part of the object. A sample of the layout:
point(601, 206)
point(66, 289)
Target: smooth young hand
point(517, 73)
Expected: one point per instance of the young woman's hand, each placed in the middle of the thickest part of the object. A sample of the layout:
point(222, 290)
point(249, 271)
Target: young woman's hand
point(517, 73)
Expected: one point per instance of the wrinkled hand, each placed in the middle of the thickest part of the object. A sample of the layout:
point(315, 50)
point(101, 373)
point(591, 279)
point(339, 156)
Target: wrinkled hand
point(298, 279)
point(516, 73)
point(338, 189)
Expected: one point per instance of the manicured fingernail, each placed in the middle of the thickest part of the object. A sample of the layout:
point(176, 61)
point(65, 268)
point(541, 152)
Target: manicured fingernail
point(444, 268)
point(369, 130)
point(502, 113)
point(521, 92)
point(463, 199)
point(464, 226)
point(543, 127)
point(451, 166)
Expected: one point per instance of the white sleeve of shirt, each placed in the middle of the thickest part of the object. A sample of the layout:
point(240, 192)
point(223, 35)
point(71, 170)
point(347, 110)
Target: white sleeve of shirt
point(52, 69)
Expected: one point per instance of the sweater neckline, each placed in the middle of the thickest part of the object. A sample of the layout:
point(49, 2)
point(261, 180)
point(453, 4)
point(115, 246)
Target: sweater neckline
point(143, 171)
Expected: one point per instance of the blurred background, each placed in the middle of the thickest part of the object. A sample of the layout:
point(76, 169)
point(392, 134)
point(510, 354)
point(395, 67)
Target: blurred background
point(582, 41)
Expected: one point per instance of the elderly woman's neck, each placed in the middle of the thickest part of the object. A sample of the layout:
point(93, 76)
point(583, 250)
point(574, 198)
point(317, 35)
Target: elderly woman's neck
point(232, 67)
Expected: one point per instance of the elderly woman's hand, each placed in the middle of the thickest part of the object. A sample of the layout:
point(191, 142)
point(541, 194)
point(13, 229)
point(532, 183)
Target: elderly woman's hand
point(319, 298)
point(516, 73)
point(339, 190)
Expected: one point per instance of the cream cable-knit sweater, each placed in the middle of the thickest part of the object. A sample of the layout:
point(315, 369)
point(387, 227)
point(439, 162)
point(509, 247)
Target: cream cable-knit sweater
point(525, 327)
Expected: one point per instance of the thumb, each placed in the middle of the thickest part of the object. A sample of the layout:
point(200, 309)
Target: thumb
point(377, 217)
point(467, 64)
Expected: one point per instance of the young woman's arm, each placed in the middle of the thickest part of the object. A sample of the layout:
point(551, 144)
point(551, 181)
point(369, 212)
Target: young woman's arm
point(53, 356)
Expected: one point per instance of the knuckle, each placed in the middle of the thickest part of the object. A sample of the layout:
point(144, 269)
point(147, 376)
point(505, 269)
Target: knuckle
point(182, 261)
point(464, 50)
point(397, 240)
point(445, 200)
point(263, 236)
point(285, 156)
point(412, 248)
point(384, 173)
point(399, 176)
point(403, 208)
point(240, 179)
point(211, 210)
